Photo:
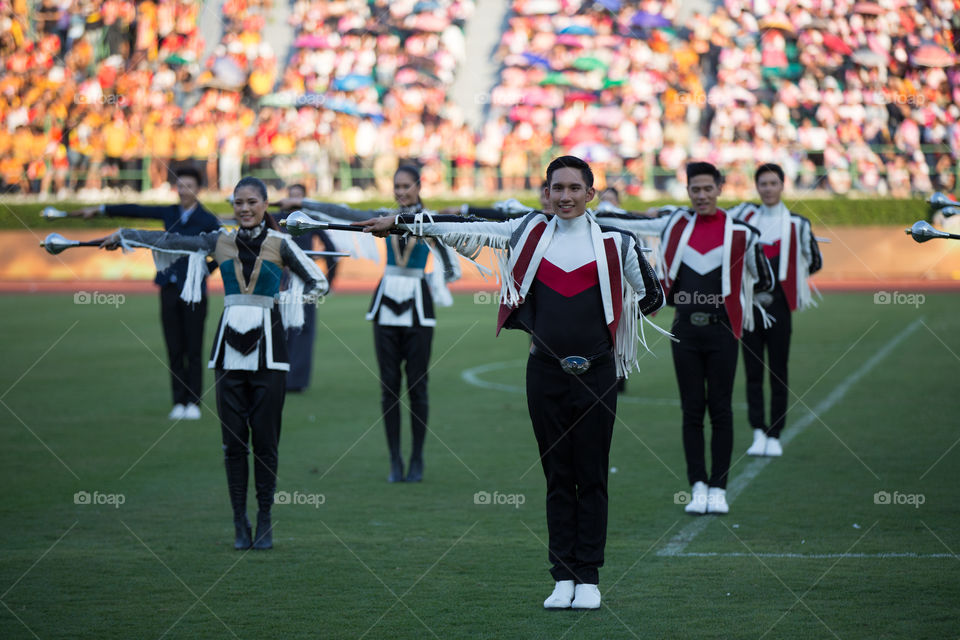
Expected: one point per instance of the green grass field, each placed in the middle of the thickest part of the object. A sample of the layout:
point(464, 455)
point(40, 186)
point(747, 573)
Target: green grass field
point(806, 551)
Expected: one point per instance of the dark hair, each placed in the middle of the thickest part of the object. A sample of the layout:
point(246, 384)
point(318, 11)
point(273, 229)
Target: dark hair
point(257, 183)
point(612, 190)
point(769, 167)
point(408, 168)
point(695, 169)
point(189, 172)
point(297, 186)
point(570, 162)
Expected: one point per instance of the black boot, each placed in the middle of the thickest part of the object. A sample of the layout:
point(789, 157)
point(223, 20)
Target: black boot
point(396, 470)
point(266, 480)
point(264, 537)
point(242, 531)
point(237, 476)
point(415, 473)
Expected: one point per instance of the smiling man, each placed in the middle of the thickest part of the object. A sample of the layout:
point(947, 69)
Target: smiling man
point(577, 288)
point(794, 255)
point(712, 264)
point(182, 321)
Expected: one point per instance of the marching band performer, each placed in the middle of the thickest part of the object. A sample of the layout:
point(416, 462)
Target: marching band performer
point(402, 314)
point(183, 322)
point(249, 352)
point(711, 264)
point(794, 255)
point(578, 288)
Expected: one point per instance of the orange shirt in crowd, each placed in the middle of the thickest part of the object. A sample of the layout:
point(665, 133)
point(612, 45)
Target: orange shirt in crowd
point(115, 136)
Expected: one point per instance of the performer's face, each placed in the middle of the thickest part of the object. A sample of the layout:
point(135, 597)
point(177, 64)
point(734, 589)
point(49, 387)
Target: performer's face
point(703, 192)
point(770, 188)
point(406, 189)
point(187, 188)
point(568, 193)
point(248, 207)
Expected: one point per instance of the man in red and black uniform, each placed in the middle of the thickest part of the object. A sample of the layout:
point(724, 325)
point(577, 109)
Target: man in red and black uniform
point(577, 287)
point(711, 265)
point(791, 247)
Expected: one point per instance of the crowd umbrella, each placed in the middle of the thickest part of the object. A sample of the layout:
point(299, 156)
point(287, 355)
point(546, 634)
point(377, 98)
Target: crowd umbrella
point(540, 7)
point(589, 63)
point(609, 5)
point(352, 82)
point(777, 21)
point(836, 43)
point(311, 41)
point(569, 40)
point(868, 58)
point(425, 5)
point(582, 133)
point(868, 8)
point(644, 20)
point(592, 152)
point(577, 30)
point(555, 78)
point(932, 55)
point(536, 60)
point(580, 96)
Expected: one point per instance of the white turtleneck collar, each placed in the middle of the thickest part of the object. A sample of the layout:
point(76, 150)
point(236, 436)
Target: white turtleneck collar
point(252, 232)
point(572, 245)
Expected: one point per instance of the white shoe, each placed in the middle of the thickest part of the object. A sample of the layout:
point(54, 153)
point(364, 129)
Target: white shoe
point(587, 597)
point(717, 501)
point(698, 499)
point(561, 597)
point(177, 412)
point(774, 450)
point(759, 446)
point(191, 412)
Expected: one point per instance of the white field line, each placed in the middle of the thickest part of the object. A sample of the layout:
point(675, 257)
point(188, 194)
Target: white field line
point(685, 536)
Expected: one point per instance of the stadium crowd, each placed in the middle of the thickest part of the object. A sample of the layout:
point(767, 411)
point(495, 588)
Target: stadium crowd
point(845, 95)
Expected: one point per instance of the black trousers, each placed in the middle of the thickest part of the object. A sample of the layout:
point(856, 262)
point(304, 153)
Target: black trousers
point(250, 406)
point(183, 324)
point(300, 349)
point(705, 361)
point(573, 420)
point(407, 348)
point(776, 342)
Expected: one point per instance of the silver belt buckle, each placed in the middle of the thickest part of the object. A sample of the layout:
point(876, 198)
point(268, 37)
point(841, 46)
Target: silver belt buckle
point(574, 365)
point(699, 319)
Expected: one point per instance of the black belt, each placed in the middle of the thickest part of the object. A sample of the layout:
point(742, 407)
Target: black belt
point(574, 365)
point(702, 318)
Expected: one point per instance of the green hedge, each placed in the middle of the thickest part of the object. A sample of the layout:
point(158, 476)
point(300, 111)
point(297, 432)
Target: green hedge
point(829, 212)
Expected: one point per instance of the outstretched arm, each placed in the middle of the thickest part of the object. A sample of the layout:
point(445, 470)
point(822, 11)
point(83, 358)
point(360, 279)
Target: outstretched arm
point(635, 225)
point(162, 240)
point(328, 212)
point(449, 229)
